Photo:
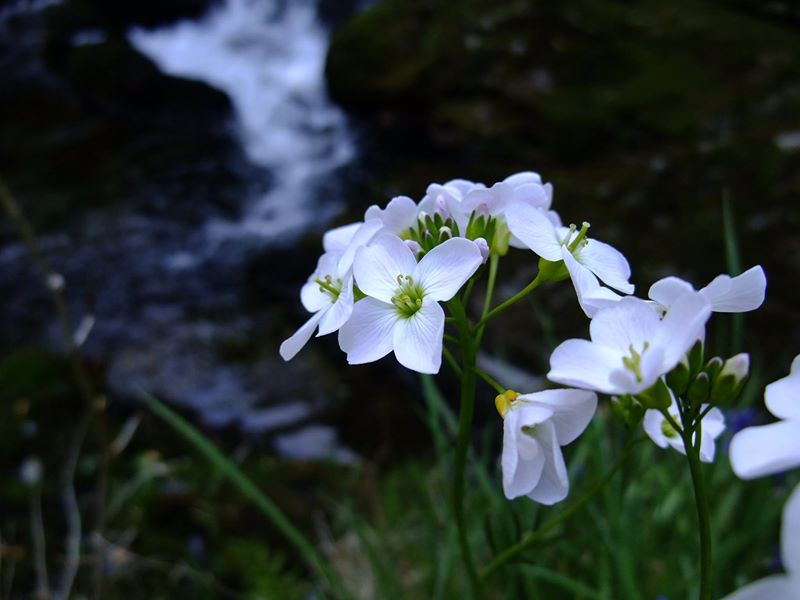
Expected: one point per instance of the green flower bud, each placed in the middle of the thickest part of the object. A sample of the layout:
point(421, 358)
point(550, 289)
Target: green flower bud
point(678, 378)
point(552, 271)
point(713, 367)
point(699, 389)
point(656, 396)
point(731, 379)
point(696, 358)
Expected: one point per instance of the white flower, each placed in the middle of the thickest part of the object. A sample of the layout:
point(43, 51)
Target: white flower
point(663, 434)
point(535, 426)
point(329, 295)
point(586, 259)
point(630, 347)
point(727, 294)
point(780, 587)
point(401, 311)
point(767, 449)
point(446, 199)
point(400, 214)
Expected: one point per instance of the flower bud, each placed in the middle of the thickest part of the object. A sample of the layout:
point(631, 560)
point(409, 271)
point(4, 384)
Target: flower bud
point(656, 396)
point(696, 358)
point(713, 367)
point(413, 246)
point(728, 384)
point(445, 233)
point(699, 389)
point(678, 378)
point(483, 246)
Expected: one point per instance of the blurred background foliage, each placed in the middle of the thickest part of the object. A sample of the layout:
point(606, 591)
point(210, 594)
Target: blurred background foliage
point(646, 116)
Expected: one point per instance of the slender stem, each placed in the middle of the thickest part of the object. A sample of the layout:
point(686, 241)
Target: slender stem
point(494, 259)
point(490, 380)
point(535, 536)
point(513, 300)
point(448, 356)
point(468, 372)
point(451, 338)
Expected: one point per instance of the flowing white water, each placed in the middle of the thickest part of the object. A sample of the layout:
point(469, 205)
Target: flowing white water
point(269, 57)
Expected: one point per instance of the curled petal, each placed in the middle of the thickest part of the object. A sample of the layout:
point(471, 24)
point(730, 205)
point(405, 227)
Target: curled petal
point(572, 410)
point(553, 485)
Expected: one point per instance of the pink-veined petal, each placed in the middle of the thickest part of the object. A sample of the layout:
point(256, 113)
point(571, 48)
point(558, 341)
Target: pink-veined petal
point(443, 270)
point(337, 315)
point(291, 346)
point(765, 449)
point(742, 293)
point(532, 227)
point(553, 485)
point(608, 263)
point(630, 322)
point(572, 410)
point(367, 334)
point(667, 290)
point(378, 265)
point(417, 340)
point(580, 363)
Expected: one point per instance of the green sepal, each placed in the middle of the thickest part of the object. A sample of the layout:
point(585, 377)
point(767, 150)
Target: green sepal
point(678, 378)
point(552, 271)
point(656, 396)
point(628, 410)
point(695, 357)
point(699, 389)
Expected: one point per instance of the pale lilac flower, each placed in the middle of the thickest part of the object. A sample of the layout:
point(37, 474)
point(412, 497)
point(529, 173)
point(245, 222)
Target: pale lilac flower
point(401, 311)
point(726, 294)
point(329, 295)
point(664, 435)
point(767, 449)
point(586, 259)
point(780, 587)
point(535, 426)
point(400, 214)
point(446, 199)
point(631, 346)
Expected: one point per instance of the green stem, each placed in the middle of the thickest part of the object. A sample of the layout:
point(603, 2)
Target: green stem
point(468, 372)
point(535, 536)
point(494, 259)
point(513, 300)
point(248, 489)
point(490, 380)
point(450, 359)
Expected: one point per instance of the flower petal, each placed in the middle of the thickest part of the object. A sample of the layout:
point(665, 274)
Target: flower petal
point(591, 295)
point(553, 485)
point(523, 177)
point(367, 335)
point(291, 346)
point(630, 322)
point(765, 449)
point(582, 364)
point(443, 270)
point(417, 340)
point(742, 293)
point(378, 265)
point(790, 536)
point(774, 587)
point(361, 238)
point(532, 227)
point(652, 427)
point(713, 425)
point(682, 326)
point(667, 290)
point(313, 298)
point(337, 239)
point(572, 410)
point(608, 263)
point(520, 475)
point(399, 214)
point(337, 315)
point(782, 397)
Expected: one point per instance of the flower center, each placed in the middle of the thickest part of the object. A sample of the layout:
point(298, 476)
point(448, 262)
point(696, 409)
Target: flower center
point(634, 362)
point(668, 430)
point(408, 297)
point(329, 286)
point(580, 239)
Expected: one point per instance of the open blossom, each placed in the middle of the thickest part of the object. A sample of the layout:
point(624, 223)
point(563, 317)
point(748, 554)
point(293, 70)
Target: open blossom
point(535, 426)
point(780, 587)
point(664, 435)
point(586, 259)
point(401, 311)
point(767, 449)
point(631, 346)
point(727, 294)
point(329, 295)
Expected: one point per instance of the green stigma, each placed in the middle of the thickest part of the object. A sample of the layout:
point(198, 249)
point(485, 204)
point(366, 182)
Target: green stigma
point(408, 297)
point(329, 286)
point(634, 361)
point(580, 239)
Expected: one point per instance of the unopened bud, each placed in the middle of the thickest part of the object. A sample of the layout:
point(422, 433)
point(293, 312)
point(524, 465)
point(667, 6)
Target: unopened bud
point(413, 246)
point(678, 378)
point(483, 246)
point(656, 396)
point(713, 367)
point(445, 233)
point(728, 384)
point(699, 389)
